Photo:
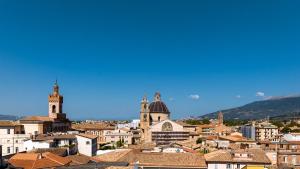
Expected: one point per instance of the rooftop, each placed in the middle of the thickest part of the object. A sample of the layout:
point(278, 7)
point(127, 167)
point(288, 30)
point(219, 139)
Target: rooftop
point(42, 137)
point(37, 160)
point(37, 118)
point(88, 136)
point(171, 160)
point(6, 123)
point(92, 126)
point(253, 156)
point(79, 159)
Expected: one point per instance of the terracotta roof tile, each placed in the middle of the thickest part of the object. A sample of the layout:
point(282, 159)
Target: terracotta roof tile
point(111, 156)
point(88, 136)
point(60, 151)
point(255, 156)
point(37, 160)
point(79, 159)
point(37, 118)
point(170, 160)
point(154, 159)
point(6, 123)
point(92, 126)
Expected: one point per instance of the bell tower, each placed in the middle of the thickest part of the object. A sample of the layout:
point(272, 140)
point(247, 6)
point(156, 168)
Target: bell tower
point(220, 119)
point(55, 103)
point(145, 118)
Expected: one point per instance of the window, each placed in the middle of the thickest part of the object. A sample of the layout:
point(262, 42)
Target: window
point(285, 159)
point(17, 149)
point(281, 145)
point(53, 109)
point(88, 142)
point(238, 166)
point(158, 118)
point(216, 166)
point(8, 131)
point(294, 159)
point(228, 166)
point(8, 150)
point(8, 141)
point(17, 141)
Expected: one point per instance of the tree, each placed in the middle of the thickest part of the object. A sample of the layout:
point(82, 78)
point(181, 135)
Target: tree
point(292, 124)
point(277, 123)
point(205, 121)
point(193, 122)
point(296, 131)
point(286, 130)
point(235, 122)
point(199, 141)
point(120, 143)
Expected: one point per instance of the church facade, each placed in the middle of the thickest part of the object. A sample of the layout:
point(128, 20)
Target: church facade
point(155, 123)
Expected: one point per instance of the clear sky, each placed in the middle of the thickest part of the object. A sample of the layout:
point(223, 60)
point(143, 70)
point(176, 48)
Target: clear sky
point(202, 55)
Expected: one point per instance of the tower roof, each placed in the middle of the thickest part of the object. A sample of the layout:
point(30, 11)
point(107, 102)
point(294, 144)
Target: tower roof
point(157, 106)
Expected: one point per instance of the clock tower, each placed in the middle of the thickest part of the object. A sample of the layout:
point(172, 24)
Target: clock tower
point(55, 102)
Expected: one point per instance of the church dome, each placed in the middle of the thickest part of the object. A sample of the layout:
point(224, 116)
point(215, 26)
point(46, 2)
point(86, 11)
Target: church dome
point(157, 106)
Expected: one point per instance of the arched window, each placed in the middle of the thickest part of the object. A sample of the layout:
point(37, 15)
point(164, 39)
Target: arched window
point(53, 109)
point(158, 118)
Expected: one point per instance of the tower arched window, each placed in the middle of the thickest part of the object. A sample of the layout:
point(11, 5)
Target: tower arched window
point(53, 109)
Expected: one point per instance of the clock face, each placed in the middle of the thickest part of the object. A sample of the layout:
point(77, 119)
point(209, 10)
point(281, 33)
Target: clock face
point(167, 126)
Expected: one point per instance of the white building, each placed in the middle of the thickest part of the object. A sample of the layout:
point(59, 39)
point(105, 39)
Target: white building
point(134, 124)
point(87, 144)
point(291, 137)
point(52, 141)
point(124, 135)
point(12, 137)
point(266, 132)
point(36, 144)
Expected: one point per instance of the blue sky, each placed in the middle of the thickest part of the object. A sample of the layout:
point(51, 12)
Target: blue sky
point(202, 56)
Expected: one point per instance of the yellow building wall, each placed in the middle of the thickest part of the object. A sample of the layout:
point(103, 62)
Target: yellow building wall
point(254, 167)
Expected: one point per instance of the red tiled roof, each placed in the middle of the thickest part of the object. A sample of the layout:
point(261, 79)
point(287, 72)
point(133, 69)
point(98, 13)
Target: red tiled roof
point(37, 118)
point(88, 136)
point(37, 160)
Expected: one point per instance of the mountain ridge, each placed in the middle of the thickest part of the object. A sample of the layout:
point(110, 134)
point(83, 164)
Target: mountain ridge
point(272, 107)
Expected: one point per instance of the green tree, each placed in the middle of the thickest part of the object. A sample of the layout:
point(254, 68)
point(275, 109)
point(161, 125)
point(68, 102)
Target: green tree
point(199, 141)
point(205, 121)
point(296, 131)
point(277, 123)
point(193, 122)
point(292, 124)
point(120, 143)
point(286, 130)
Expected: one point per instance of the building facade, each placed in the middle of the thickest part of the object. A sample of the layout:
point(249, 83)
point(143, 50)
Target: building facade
point(167, 131)
point(266, 131)
point(156, 126)
point(248, 131)
point(124, 135)
point(12, 137)
point(152, 114)
point(87, 144)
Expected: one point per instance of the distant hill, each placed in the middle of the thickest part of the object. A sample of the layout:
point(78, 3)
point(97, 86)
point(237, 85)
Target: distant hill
point(8, 117)
point(280, 107)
